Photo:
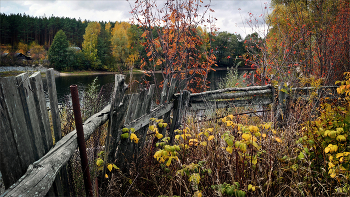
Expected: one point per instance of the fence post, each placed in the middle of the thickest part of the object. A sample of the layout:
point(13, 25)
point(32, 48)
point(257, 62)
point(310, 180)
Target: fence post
point(170, 95)
point(179, 110)
point(282, 105)
point(81, 140)
point(115, 115)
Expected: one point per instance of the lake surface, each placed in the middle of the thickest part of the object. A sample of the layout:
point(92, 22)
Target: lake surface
point(83, 81)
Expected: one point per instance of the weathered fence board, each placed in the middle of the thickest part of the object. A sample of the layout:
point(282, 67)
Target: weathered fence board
point(231, 103)
point(56, 121)
point(112, 135)
point(31, 117)
point(40, 104)
point(12, 105)
point(250, 88)
point(208, 97)
point(41, 174)
point(7, 142)
point(179, 110)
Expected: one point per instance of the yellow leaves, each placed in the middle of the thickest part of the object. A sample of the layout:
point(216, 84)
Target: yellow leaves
point(264, 135)
point(229, 149)
point(278, 139)
point(246, 136)
point(253, 129)
point(230, 116)
point(195, 178)
point(99, 162)
point(193, 142)
point(203, 143)
point(341, 138)
point(106, 176)
point(331, 148)
point(210, 137)
point(229, 123)
point(197, 194)
point(159, 136)
point(134, 137)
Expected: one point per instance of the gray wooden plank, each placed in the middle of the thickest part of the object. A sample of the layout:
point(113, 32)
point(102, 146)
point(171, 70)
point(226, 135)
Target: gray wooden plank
point(118, 94)
point(250, 88)
point(12, 103)
point(131, 108)
point(163, 95)
point(229, 95)
point(231, 103)
point(56, 121)
point(179, 110)
point(170, 97)
point(140, 103)
point(119, 119)
point(41, 174)
point(42, 113)
point(27, 98)
point(10, 162)
point(145, 119)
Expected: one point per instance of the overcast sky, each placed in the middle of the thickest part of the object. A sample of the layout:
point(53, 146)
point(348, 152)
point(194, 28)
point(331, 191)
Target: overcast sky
point(231, 14)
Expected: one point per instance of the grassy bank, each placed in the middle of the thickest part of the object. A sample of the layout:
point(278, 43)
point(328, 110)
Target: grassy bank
point(84, 72)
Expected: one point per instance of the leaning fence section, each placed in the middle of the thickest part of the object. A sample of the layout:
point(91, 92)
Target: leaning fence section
point(27, 149)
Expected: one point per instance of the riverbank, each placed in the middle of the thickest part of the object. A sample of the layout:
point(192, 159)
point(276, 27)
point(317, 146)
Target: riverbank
point(6, 71)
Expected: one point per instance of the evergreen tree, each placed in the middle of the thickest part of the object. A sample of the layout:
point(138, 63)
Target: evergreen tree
point(58, 51)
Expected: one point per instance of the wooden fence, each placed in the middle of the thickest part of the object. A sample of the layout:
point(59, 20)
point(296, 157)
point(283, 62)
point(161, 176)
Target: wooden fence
point(29, 162)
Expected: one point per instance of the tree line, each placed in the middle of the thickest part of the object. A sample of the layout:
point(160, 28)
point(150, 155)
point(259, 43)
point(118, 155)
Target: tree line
point(105, 45)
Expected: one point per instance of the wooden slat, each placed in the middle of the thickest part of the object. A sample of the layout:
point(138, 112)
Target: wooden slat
point(170, 97)
point(118, 94)
point(12, 103)
point(10, 162)
point(179, 110)
point(163, 95)
point(250, 88)
point(119, 121)
point(145, 119)
point(31, 117)
point(131, 108)
point(230, 103)
point(42, 113)
point(229, 95)
point(51, 87)
point(41, 174)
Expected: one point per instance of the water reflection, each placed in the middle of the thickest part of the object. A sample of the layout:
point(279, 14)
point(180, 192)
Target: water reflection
point(83, 81)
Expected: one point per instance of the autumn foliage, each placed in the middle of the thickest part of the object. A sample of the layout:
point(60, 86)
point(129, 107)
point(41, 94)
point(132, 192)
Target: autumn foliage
point(174, 40)
point(304, 39)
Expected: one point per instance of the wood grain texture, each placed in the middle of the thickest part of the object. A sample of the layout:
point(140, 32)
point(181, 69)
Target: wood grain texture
point(51, 87)
point(41, 174)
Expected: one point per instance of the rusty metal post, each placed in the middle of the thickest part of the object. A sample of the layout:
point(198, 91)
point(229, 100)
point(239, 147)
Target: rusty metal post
point(81, 140)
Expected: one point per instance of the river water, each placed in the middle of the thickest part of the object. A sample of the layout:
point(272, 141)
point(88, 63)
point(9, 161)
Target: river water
point(83, 81)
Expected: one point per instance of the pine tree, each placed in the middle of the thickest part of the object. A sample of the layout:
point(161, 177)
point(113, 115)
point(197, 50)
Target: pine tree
point(58, 51)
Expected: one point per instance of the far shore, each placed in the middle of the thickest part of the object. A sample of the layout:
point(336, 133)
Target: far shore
point(10, 71)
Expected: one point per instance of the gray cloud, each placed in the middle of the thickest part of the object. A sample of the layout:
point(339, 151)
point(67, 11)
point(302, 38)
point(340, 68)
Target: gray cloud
point(229, 17)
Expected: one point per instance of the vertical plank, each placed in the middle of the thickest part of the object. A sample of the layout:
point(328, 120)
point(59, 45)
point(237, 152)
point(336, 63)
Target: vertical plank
point(10, 162)
point(13, 105)
point(56, 121)
point(131, 107)
point(146, 108)
point(163, 95)
point(40, 104)
point(139, 104)
point(179, 111)
point(125, 153)
point(118, 94)
point(170, 95)
point(31, 117)
point(119, 119)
